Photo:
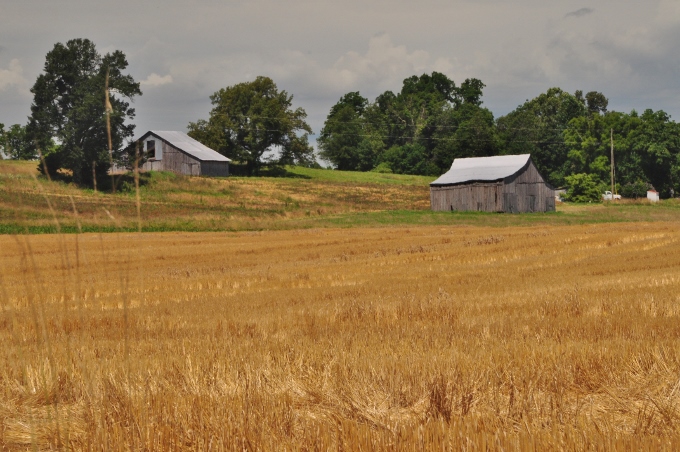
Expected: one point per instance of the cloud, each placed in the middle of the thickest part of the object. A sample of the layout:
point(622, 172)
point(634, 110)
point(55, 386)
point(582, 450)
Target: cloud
point(384, 62)
point(383, 65)
point(156, 80)
point(319, 51)
point(13, 77)
point(316, 81)
point(580, 12)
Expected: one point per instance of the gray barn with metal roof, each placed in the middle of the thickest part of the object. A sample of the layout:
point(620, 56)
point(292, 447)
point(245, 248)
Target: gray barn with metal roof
point(505, 183)
point(181, 154)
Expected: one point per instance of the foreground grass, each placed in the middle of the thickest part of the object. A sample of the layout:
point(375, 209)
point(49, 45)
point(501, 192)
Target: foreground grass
point(402, 338)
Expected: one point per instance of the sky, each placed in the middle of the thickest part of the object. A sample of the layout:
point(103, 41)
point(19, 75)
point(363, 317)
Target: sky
point(318, 50)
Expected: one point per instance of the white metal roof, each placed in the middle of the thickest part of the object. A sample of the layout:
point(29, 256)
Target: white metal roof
point(184, 142)
point(482, 169)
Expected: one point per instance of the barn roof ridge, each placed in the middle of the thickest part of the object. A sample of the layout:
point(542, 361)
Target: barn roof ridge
point(188, 145)
point(483, 169)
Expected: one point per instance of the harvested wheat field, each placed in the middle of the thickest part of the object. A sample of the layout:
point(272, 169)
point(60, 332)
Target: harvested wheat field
point(444, 338)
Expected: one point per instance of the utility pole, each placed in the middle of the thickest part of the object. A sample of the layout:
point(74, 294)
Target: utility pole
point(109, 109)
point(611, 139)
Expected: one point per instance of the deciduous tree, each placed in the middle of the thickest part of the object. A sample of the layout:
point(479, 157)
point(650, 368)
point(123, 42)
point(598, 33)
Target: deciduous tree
point(537, 128)
point(15, 144)
point(249, 119)
point(69, 109)
point(420, 130)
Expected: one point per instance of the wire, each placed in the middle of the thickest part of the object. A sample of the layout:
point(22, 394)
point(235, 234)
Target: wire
point(361, 123)
point(441, 139)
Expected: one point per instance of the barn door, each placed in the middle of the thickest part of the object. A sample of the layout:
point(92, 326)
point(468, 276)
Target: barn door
point(510, 203)
point(531, 203)
point(550, 204)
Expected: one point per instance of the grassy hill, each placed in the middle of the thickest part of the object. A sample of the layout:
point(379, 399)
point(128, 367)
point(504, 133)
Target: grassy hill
point(294, 198)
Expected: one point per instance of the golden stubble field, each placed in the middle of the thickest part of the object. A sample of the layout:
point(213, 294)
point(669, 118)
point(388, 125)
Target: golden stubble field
point(384, 338)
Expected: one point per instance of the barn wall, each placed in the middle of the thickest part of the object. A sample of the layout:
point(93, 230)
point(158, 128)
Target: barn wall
point(152, 165)
point(215, 169)
point(177, 161)
point(527, 191)
point(174, 160)
point(485, 197)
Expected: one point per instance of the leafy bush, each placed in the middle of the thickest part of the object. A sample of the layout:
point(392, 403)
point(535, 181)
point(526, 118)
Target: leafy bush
point(638, 189)
point(384, 167)
point(409, 159)
point(583, 188)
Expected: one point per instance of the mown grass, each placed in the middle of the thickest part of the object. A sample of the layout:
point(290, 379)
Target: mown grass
point(300, 198)
point(359, 177)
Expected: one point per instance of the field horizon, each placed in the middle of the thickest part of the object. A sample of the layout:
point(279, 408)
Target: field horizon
point(298, 198)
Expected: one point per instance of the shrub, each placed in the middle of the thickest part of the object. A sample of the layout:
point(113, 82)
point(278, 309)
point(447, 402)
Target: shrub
point(384, 167)
point(637, 189)
point(583, 188)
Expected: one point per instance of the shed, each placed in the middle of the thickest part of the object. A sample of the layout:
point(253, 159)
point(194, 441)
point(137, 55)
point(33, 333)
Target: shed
point(505, 183)
point(653, 195)
point(181, 154)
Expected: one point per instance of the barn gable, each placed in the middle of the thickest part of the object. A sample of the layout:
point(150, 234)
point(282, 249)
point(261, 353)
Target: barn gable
point(178, 152)
point(508, 183)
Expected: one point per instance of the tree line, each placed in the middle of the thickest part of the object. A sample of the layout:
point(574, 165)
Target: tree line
point(419, 130)
point(432, 121)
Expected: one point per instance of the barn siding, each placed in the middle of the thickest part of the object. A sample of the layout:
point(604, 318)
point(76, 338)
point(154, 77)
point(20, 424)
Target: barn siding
point(525, 191)
point(482, 196)
point(182, 163)
point(215, 169)
point(179, 162)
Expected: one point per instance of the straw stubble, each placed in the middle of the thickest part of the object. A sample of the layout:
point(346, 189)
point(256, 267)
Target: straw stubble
point(393, 338)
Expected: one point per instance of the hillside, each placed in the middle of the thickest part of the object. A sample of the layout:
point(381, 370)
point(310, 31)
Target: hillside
point(297, 198)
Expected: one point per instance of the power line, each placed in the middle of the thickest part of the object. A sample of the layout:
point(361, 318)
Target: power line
point(445, 139)
point(360, 122)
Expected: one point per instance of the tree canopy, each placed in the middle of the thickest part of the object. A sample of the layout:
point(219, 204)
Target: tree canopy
point(432, 121)
point(68, 117)
point(418, 130)
point(14, 143)
point(249, 119)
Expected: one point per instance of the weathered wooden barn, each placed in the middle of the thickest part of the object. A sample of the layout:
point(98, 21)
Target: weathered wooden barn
point(179, 153)
point(506, 183)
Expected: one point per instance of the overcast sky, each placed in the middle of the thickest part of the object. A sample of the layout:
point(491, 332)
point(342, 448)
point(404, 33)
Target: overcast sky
point(319, 50)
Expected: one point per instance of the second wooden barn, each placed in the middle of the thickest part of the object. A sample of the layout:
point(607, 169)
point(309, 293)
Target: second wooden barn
point(181, 154)
point(506, 183)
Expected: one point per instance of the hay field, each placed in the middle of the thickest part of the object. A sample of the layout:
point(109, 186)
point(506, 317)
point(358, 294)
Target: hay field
point(560, 337)
point(301, 198)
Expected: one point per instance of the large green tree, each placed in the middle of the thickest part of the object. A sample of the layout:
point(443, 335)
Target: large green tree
point(342, 137)
point(353, 136)
point(69, 109)
point(14, 143)
point(249, 119)
point(537, 128)
point(419, 130)
point(646, 148)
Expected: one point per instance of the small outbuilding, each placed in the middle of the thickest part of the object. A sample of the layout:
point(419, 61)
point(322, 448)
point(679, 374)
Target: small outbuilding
point(505, 183)
point(181, 154)
point(653, 195)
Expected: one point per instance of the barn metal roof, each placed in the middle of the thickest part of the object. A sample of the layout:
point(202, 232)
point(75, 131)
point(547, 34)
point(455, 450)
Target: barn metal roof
point(483, 169)
point(185, 143)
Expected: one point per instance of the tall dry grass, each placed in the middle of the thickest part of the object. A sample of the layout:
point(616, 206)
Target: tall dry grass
point(438, 338)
